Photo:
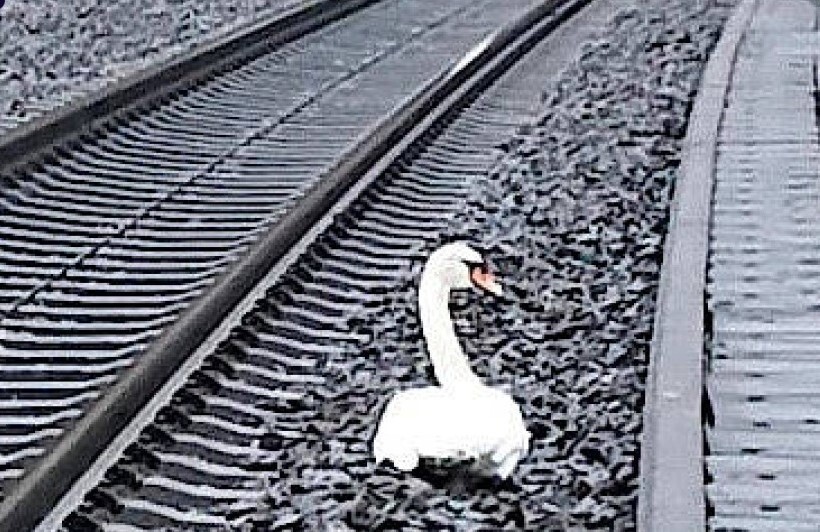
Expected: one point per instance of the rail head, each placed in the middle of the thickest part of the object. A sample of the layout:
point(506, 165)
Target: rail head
point(671, 495)
point(32, 498)
point(36, 138)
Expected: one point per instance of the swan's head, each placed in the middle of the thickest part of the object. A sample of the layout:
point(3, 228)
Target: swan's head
point(457, 265)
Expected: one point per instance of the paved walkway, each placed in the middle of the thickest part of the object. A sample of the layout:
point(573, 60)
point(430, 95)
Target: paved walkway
point(764, 281)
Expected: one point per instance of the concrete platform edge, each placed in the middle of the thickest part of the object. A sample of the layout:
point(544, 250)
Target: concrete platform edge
point(671, 494)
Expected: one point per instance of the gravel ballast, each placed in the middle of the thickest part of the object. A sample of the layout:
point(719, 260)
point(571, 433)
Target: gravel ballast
point(572, 218)
point(52, 51)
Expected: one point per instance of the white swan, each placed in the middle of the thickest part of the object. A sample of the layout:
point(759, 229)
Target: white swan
point(462, 418)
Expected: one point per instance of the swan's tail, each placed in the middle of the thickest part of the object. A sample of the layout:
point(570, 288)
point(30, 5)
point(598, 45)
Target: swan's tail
point(395, 450)
point(392, 443)
point(507, 456)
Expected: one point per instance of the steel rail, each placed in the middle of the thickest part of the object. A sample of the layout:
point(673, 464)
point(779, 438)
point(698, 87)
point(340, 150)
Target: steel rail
point(146, 213)
point(671, 495)
point(48, 480)
point(139, 90)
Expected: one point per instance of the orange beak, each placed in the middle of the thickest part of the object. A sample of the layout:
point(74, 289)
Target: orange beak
point(485, 280)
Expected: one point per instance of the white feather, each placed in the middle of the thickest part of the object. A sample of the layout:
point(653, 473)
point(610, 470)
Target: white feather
point(462, 419)
point(473, 423)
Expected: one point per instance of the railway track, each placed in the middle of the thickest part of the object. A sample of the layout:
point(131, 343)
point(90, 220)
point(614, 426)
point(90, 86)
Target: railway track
point(110, 238)
point(208, 294)
point(157, 38)
point(730, 422)
point(237, 441)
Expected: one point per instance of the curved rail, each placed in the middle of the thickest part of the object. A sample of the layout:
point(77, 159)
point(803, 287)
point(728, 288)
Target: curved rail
point(28, 142)
point(404, 205)
point(672, 483)
point(107, 242)
point(38, 490)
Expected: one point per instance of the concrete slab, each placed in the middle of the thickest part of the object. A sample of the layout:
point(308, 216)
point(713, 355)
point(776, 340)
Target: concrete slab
point(764, 281)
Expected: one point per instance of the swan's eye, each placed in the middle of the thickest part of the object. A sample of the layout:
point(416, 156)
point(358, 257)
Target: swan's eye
point(477, 267)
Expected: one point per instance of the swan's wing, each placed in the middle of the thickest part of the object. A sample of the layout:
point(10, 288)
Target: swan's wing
point(436, 423)
point(405, 427)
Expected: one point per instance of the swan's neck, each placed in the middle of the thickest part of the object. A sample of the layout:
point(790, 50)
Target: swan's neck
point(450, 364)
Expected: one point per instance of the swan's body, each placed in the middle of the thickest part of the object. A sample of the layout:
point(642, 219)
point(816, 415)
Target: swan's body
point(480, 424)
point(462, 418)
